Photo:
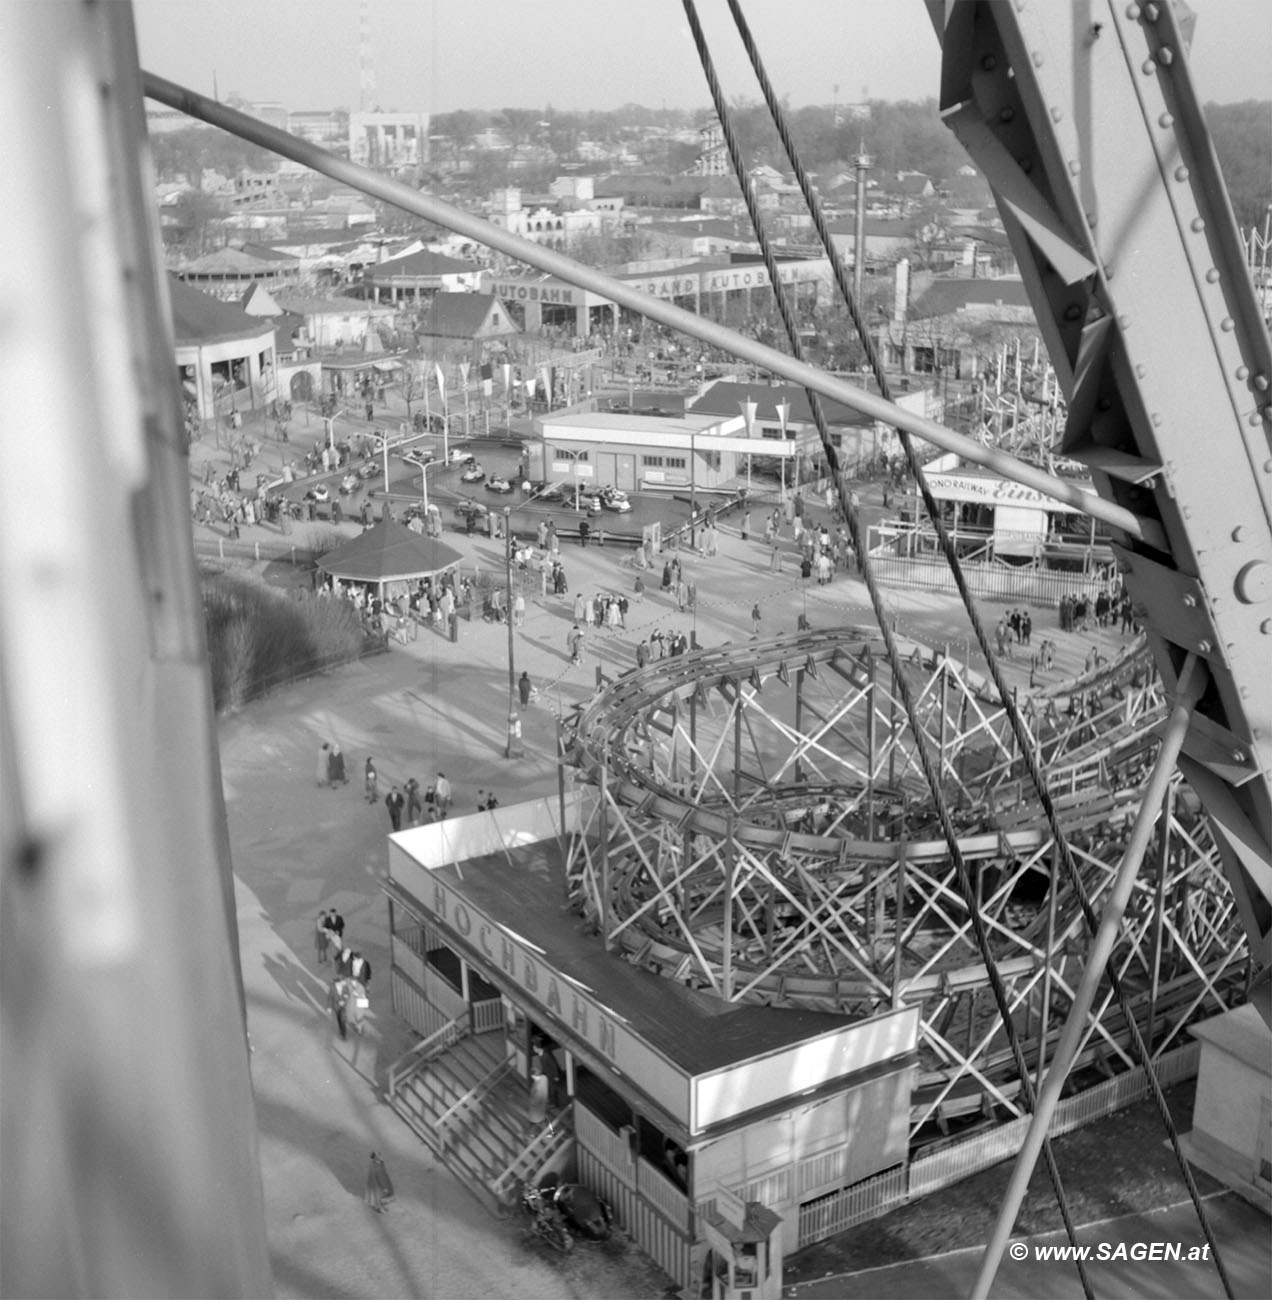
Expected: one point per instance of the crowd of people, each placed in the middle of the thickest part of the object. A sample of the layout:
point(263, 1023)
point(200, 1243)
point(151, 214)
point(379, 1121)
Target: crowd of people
point(1106, 609)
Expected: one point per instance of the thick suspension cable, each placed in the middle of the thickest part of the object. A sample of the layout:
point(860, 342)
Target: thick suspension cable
point(1024, 741)
point(922, 742)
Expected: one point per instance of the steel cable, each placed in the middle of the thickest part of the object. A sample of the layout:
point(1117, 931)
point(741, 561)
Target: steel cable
point(922, 742)
point(1019, 731)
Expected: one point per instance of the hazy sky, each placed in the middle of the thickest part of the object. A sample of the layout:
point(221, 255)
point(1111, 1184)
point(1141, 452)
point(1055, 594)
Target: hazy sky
point(573, 54)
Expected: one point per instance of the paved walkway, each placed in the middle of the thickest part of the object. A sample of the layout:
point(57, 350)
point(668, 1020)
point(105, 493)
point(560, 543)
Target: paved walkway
point(428, 706)
point(1240, 1229)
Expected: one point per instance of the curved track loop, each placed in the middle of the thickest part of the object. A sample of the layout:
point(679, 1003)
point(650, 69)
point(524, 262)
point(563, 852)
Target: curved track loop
point(756, 825)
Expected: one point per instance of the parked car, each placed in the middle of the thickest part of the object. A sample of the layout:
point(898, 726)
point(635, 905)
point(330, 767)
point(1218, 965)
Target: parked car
point(615, 500)
point(349, 483)
point(473, 474)
point(498, 485)
point(458, 456)
point(551, 492)
point(320, 492)
point(368, 469)
point(418, 457)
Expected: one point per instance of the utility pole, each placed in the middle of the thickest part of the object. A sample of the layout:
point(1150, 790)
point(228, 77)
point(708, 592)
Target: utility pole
point(514, 749)
point(862, 163)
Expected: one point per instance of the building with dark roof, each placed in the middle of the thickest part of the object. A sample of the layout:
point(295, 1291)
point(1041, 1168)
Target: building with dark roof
point(225, 358)
point(466, 317)
point(419, 274)
point(229, 273)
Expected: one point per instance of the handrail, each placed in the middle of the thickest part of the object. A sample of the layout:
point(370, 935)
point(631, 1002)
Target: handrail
point(419, 1053)
point(484, 1084)
point(555, 1131)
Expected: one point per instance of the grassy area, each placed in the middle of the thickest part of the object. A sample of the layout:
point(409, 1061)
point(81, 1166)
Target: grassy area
point(1118, 1165)
point(259, 639)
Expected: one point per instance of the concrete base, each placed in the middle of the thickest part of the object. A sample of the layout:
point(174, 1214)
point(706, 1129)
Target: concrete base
point(1206, 1158)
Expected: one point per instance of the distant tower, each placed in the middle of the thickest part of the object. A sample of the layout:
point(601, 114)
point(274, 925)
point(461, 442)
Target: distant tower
point(862, 165)
point(366, 60)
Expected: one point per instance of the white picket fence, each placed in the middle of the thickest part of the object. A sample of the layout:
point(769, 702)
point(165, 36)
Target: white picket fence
point(841, 1209)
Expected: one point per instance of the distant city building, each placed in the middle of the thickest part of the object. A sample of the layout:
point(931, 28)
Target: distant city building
point(713, 157)
point(388, 140)
point(321, 126)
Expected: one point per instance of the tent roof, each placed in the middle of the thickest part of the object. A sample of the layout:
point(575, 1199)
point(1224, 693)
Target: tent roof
point(388, 550)
point(198, 318)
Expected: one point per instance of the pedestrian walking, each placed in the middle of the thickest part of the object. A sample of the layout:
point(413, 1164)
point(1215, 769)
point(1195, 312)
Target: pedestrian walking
point(322, 938)
point(574, 640)
point(379, 1190)
point(746, 525)
point(638, 589)
point(523, 690)
point(394, 802)
point(775, 559)
point(324, 755)
point(336, 766)
point(585, 531)
point(336, 925)
point(414, 804)
point(755, 620)
point(370, 782)
point(336, 996)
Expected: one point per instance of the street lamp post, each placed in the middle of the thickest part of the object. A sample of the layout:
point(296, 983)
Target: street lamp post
point(513, 749)
point(783, 414)
point(693, 491)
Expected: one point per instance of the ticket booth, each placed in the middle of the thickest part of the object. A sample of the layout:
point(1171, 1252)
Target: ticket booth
point(743, 1249)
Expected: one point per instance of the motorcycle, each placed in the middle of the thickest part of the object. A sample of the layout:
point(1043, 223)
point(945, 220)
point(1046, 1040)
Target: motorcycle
point(590, 1215)
point(572, 1206)
point(545, 1218)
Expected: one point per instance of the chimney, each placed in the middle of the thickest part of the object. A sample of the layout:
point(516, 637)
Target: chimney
point(901, 292)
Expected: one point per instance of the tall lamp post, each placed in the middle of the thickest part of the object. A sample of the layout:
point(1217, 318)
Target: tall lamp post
point(783, 414)
point(463, 374)
point(693, 491)
point(513, 749)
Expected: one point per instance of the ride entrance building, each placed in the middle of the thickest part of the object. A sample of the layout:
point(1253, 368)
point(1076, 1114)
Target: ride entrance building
point(666, 1099)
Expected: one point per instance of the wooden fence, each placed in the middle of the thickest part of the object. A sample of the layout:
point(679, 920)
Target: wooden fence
point(990, 581)
point(832, 1213)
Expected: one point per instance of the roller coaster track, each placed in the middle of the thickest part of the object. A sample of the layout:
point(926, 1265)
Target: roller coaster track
point(756, 825)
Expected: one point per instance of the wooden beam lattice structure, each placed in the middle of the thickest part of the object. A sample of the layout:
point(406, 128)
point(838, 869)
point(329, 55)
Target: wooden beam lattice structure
point(766, 837)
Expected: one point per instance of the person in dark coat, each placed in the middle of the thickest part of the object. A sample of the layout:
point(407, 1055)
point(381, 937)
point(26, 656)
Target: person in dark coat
point(379, 1190)
point(394, 802)
point(523, 689)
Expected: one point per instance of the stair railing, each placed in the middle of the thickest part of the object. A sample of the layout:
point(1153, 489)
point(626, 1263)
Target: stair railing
point(475, 1093)
point(414, 1058)
point(534, 1155)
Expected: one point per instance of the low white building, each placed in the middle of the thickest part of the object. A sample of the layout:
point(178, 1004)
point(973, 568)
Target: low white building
point(635, 452)
point(1231, 1137)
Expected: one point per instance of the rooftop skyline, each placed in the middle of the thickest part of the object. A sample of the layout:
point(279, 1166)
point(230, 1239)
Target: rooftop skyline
point(598, 54)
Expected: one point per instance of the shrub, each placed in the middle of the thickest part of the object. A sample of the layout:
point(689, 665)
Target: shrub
point(259, 639)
